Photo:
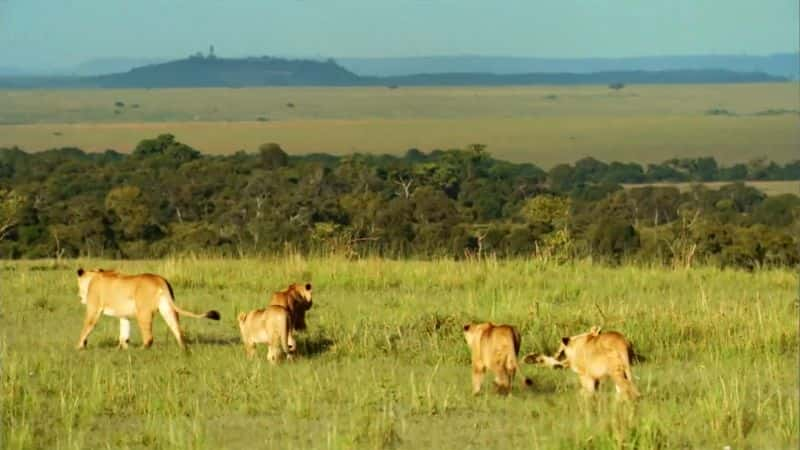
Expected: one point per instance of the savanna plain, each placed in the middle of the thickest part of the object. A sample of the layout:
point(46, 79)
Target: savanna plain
point(384, 364)
point(544, 125)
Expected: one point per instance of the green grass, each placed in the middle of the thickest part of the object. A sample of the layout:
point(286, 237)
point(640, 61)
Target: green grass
point(385, 365)
point(541, 124)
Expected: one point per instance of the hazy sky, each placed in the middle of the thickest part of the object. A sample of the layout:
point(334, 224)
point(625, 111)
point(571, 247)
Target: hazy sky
point(41, 33)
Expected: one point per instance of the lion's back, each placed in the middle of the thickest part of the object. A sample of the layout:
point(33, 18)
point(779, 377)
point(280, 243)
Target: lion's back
point(606, 352)
point(261, 324)
point(120, 291)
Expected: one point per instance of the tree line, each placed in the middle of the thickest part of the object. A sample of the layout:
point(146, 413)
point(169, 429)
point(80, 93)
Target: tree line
point(166, 197)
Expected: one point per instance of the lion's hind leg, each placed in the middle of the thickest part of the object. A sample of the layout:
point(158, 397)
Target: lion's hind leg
point(624, 384)
point(124, 333)
point(171, 317)
point(502, 380)
point(477, 379)
point(250, 349)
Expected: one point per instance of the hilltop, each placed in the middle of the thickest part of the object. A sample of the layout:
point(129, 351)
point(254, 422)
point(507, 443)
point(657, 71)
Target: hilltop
point(200, 71)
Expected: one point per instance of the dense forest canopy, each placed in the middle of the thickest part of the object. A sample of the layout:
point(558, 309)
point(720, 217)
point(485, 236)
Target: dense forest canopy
point(167, 197)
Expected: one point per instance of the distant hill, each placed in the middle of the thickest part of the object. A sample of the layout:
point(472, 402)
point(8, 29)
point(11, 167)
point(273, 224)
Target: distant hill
point(209, 72)
point(199, 71)
point(781, 64)
point(624, 77)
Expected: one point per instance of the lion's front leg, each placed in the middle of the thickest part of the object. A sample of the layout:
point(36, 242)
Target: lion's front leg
point(92, 315)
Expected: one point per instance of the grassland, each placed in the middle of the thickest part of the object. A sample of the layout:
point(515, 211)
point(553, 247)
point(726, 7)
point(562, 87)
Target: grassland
point(541, 124)
point(767, 187)
point(385, 364)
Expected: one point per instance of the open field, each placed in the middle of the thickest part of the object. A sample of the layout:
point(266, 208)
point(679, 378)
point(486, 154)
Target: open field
point(767, 187)
point(385, 364)
point(541, 124)
point(248, 104)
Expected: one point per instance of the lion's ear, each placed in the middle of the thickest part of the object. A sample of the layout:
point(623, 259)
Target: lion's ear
point(565, 340)
point(595, 330)
point(81, 272)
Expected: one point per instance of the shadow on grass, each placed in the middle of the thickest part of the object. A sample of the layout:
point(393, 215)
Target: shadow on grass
point(106, 343)
point(539, 386)
point(307, 346)
point(313, 346)
point(216, 340)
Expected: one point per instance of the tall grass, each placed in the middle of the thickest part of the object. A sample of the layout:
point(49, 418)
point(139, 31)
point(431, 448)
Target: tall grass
point(384, 364)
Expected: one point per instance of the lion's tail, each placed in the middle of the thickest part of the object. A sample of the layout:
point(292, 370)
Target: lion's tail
point(512, 365)
point(213, 315)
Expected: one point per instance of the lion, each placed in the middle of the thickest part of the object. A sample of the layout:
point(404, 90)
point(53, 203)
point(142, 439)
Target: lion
point(594, 356)
point(297, 300)
point(124, 296)
point(272, 326)
point(493, 347)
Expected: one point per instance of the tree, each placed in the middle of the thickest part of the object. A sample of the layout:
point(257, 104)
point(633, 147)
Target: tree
point(589, 169)
point(561, 177)
point(272, 156)
point(616, 86)
point(166, 145)
point(614, 238)
point(11, 206)
point(550, 215)
point(548, 209)
point(777, 211)
point(128, 205)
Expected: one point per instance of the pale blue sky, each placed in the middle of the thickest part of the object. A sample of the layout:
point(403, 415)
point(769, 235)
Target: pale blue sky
point(57, 33)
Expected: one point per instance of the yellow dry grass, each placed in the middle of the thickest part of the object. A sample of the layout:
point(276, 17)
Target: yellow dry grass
point(767, 187)
point(544, 141)
point(541, 124)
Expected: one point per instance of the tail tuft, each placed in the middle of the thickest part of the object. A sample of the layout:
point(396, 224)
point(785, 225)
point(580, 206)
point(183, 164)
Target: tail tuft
point(528, 381)
point(213, 315)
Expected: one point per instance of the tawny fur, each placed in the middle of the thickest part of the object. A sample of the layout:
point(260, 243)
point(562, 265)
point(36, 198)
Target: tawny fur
point(124, 296)
point(494, 348)
point(594, 355)
point(271, 326)
point(297, 299)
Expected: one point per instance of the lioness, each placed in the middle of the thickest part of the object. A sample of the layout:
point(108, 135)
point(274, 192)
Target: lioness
point(272, 326)
point(297, 299)
point(593, 356)
point(123, 296)
point(493, 347)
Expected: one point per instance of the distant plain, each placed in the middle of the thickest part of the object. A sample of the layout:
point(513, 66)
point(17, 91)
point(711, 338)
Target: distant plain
point(545, 125)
